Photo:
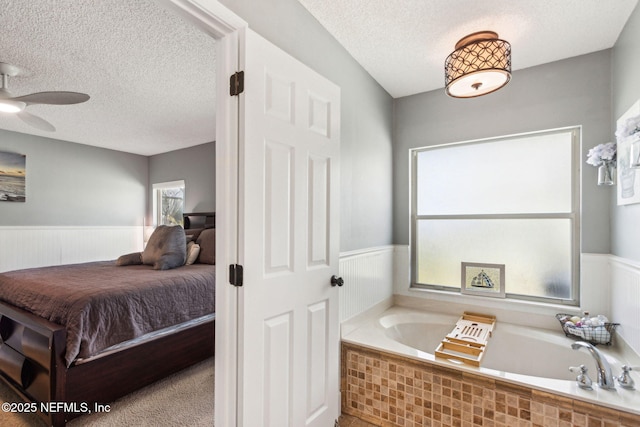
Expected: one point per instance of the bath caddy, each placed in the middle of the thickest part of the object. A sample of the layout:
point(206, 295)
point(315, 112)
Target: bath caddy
point(602, 334)
point(467, 341)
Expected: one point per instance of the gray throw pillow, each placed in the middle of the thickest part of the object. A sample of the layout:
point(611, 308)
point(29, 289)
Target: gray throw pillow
point(166, 248)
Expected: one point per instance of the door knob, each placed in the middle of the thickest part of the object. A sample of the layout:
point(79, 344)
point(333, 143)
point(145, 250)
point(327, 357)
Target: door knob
point(336, 281)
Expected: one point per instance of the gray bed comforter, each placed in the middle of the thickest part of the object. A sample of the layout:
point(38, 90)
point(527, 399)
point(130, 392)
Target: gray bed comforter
point(101, 304)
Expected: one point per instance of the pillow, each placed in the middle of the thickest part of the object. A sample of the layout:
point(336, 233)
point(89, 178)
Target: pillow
point(192, 234)
point(130, 259)
point(166, 248)
point(207, 242)
point(193, 250)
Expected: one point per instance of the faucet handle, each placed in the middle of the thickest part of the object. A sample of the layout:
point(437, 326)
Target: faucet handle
point(625, 379)
point(583, 379)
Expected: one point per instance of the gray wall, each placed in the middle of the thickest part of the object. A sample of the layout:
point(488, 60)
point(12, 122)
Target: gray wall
point(75, 184)
point(625, 220)
point(576, 91)
point(196, 166)
point(80, 185)
point(366, 153)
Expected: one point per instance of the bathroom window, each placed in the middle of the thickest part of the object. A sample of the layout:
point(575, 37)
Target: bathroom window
point(510, 200)
point(168, 203)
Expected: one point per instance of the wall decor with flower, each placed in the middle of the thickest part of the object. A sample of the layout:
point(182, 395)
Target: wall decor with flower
point(628, 165)
point(604, 157)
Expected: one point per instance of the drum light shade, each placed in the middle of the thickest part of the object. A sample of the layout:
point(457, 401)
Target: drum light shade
point(481, 64)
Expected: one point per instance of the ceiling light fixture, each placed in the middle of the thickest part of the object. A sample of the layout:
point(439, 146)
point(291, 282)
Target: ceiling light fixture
point(9, 106)
point(481, 64)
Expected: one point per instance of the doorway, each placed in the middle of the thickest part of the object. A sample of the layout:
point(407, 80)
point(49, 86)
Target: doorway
point(277, 182)
point(225, 27)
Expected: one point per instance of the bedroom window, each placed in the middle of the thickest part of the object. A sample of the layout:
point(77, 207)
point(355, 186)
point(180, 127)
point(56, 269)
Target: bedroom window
point(511, 201)
point(168, 203)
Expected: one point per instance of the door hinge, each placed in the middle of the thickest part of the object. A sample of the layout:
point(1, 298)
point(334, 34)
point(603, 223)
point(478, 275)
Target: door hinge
point(236, 83)
point(235, 274)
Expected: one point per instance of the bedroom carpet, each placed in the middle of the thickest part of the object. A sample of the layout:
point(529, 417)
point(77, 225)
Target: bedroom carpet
point(183, 399)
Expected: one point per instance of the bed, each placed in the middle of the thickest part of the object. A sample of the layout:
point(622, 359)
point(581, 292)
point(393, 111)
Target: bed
point(77, 336)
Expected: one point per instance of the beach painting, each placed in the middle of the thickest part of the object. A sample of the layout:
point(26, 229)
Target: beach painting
point(13, 175)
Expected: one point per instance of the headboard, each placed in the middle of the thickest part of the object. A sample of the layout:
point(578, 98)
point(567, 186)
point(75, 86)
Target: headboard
point(199, 220)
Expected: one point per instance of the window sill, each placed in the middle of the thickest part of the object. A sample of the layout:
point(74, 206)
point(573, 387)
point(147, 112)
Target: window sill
point(520, 312)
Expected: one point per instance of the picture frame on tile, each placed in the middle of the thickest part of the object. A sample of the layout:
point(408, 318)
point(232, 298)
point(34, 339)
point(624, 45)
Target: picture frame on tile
point(483, 279)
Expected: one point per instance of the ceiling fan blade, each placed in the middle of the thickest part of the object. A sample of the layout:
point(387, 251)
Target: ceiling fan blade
point(53, 98)
point(35, 121)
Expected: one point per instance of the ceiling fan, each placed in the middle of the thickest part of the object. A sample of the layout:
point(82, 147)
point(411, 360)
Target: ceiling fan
point(18, 104)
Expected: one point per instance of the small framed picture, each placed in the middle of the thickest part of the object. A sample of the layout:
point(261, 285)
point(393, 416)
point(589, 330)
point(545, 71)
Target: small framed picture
point(483, 279)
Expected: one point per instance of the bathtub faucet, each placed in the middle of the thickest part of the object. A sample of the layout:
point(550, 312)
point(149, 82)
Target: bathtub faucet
point(605, 377)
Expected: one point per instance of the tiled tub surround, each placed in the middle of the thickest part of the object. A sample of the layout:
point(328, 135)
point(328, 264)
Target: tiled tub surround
point(390, 383)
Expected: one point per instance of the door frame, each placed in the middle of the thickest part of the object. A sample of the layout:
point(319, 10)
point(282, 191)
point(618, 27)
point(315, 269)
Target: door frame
point(228, 30)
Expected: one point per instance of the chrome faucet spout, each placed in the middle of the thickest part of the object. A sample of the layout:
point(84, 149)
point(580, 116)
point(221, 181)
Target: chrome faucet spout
point(605, 377)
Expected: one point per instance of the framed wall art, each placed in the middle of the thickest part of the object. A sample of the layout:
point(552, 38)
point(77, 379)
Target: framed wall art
point(13, 177)
point(628, 161)
point(483, 279)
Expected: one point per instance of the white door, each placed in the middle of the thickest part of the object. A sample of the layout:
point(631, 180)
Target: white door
point(288, 343)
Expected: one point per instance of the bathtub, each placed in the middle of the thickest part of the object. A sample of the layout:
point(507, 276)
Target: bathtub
point(534, 358)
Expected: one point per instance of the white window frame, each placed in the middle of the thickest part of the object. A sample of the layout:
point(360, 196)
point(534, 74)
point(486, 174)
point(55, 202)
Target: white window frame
point(156, 188)
point(573, 216)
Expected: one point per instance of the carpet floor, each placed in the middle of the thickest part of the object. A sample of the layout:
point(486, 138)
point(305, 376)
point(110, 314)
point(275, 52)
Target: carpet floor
point(183, 399)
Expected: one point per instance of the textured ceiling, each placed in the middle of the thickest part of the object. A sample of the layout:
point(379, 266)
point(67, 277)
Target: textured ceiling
point(151, 78)
point(403, 43)
point(150, 75)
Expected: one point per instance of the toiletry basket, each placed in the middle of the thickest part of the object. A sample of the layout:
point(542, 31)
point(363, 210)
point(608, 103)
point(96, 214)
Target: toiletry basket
point(593, 334)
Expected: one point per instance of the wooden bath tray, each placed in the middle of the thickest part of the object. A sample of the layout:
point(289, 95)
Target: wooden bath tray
point(468, 340)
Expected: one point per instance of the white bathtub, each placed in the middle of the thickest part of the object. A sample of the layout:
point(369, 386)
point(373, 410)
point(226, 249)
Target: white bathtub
point(536, 358)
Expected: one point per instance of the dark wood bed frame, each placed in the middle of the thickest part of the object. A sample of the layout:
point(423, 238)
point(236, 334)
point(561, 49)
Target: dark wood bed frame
point(32, 363)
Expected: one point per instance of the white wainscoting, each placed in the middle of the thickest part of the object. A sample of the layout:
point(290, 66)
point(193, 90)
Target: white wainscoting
point(368, 279)
point(38, 246)
point(610, 285)
point(625, 299)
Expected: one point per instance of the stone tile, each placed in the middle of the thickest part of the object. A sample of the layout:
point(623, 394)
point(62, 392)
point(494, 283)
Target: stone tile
point(387, 390)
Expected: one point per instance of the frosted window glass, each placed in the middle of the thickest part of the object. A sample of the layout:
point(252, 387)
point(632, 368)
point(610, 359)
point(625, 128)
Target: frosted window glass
point(519, 175)
point(536, 252)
